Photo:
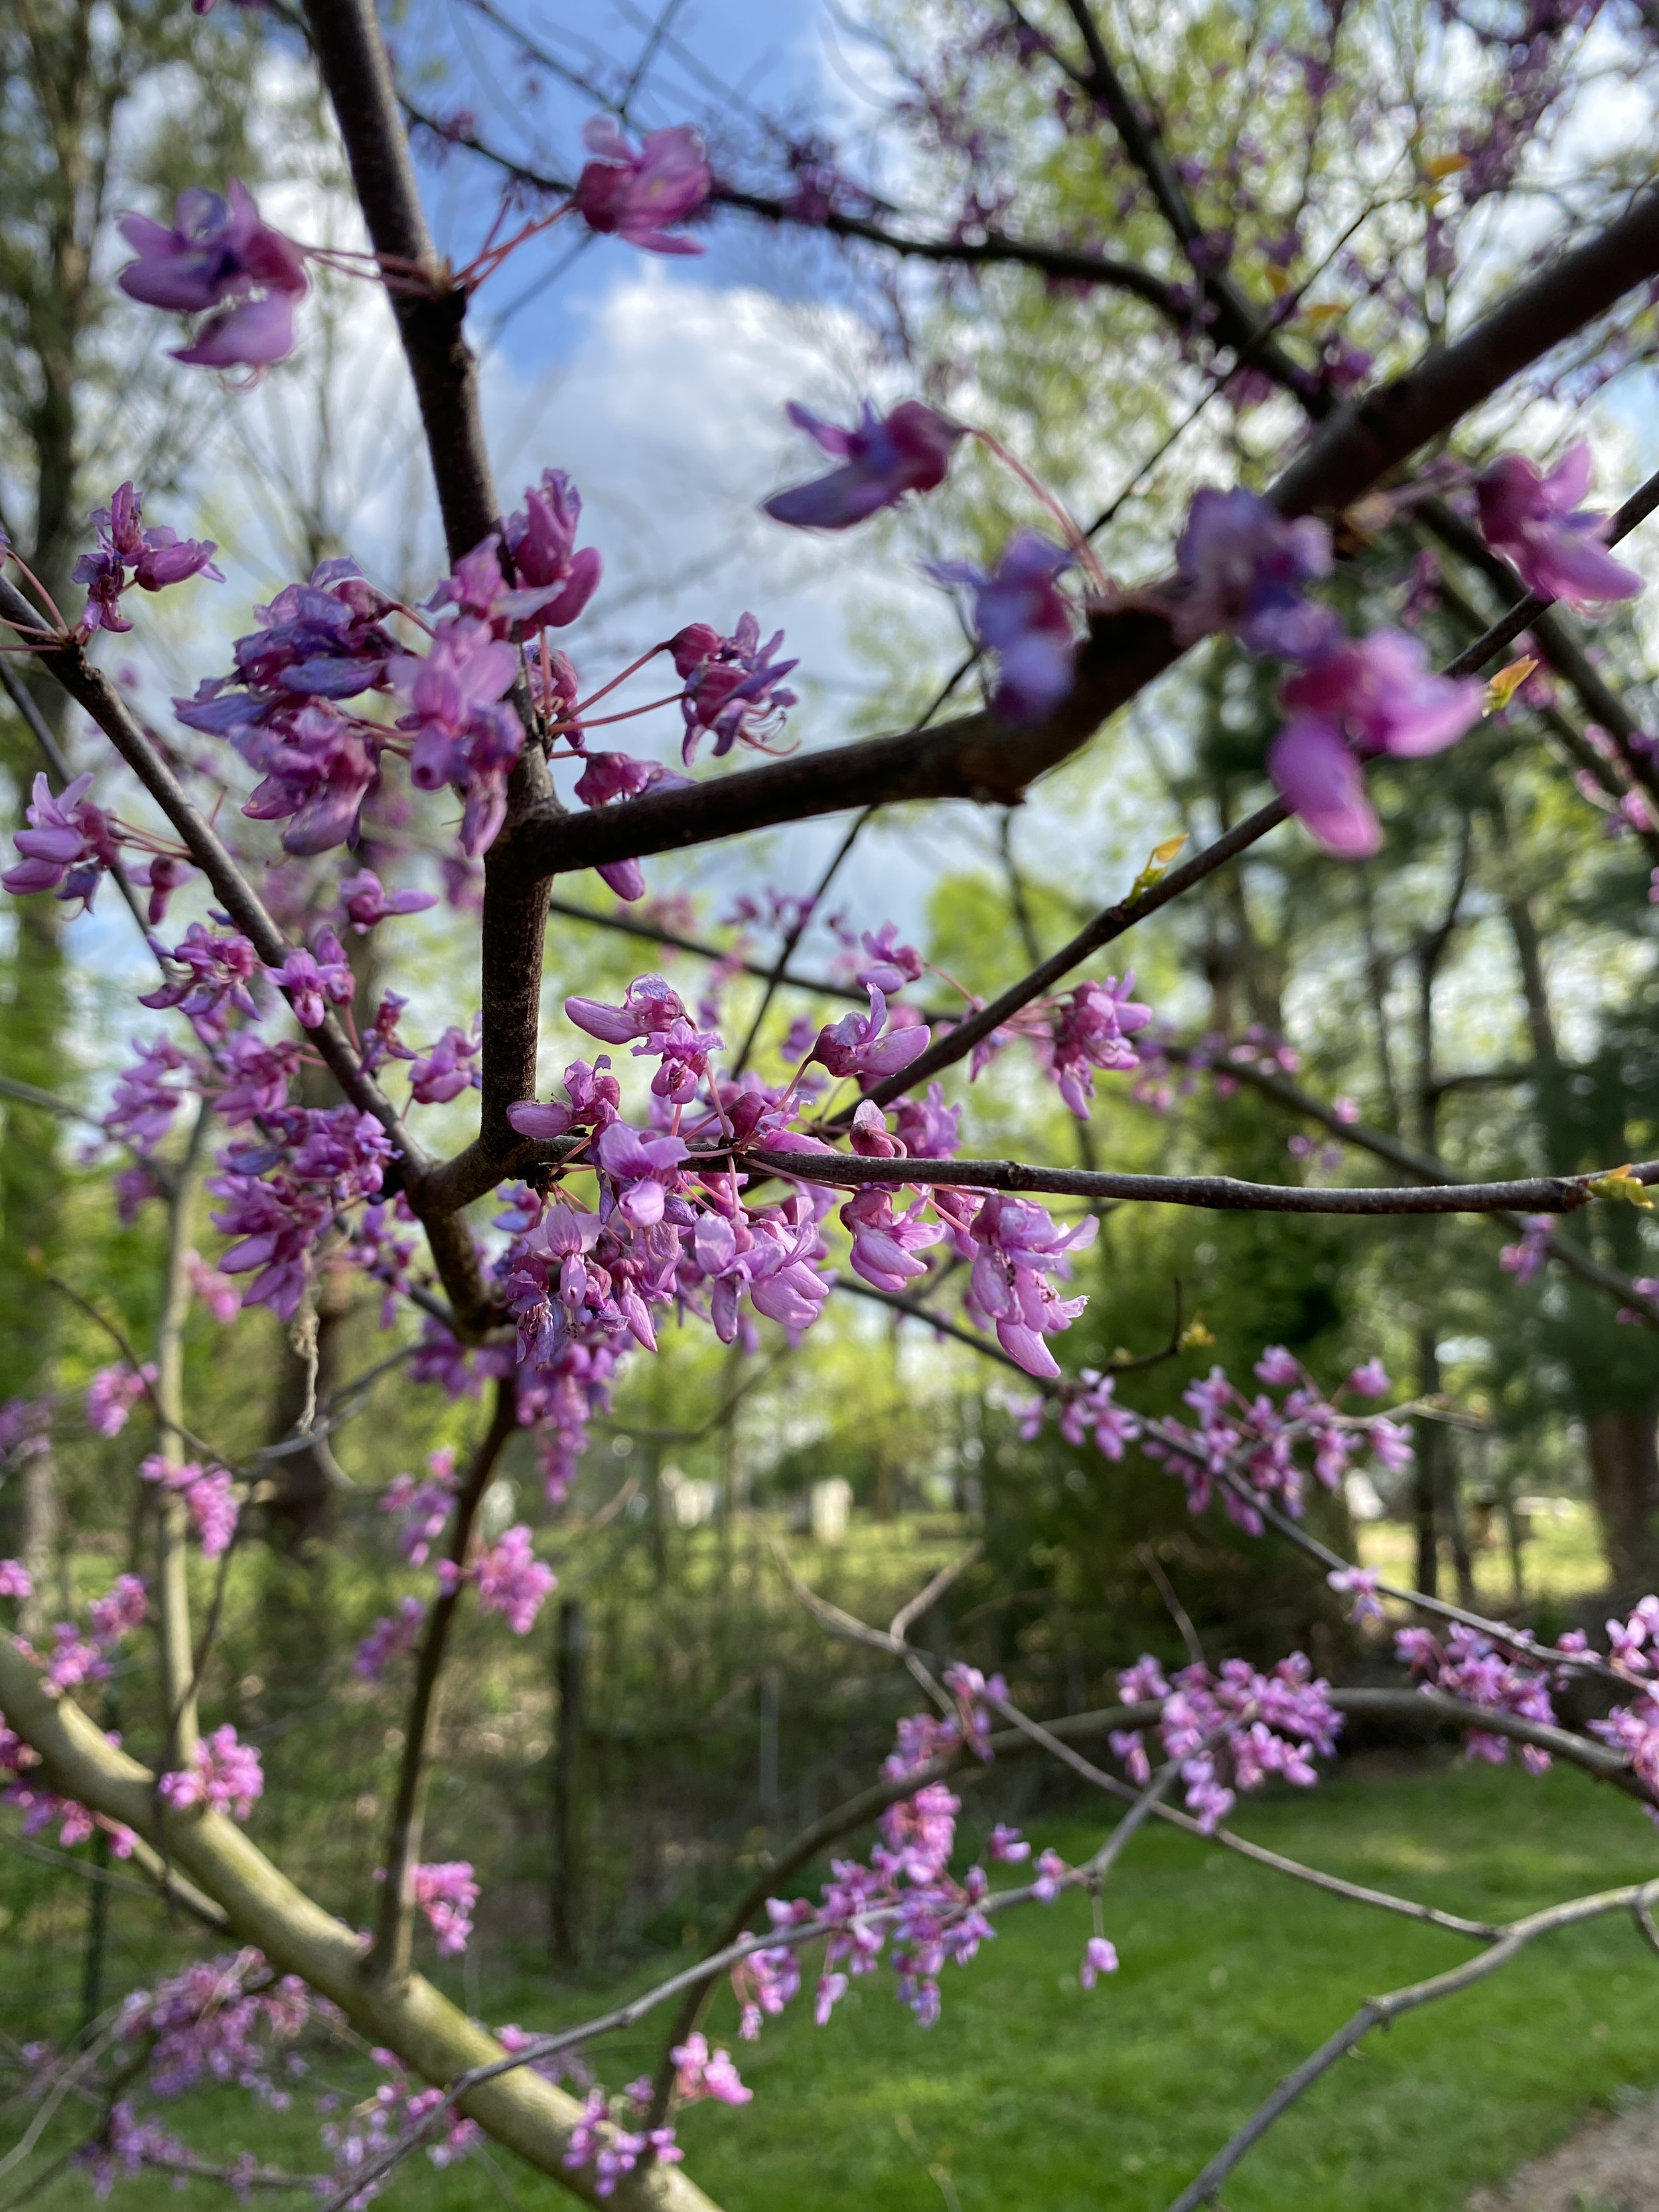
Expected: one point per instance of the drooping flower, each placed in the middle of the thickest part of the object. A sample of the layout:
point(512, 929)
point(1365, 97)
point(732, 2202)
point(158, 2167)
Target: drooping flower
point(883, 458)
point(1020, 615)
point(1376, 695)
point(218, 255)
point(313, 981)
point(635, 195)
point(856, 1044)
point(700, 2072)
point(1556, 546)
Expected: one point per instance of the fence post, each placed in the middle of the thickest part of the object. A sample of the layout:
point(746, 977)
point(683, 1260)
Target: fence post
point(565, 1897)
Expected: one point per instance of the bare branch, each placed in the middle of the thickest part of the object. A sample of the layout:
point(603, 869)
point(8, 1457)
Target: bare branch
point(389, 1957)
point(1221, 1193)
point(1382, 2012)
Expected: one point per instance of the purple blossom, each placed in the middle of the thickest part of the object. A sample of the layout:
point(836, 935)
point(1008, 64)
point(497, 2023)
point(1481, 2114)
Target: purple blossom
point(889, 965)
point(465, 733)
point(15, 1580)
point(1378, 695)
point(1021, 615)
point(636, 195)
point(313, 981)
point(1091, 1026)
point(642, 1167)
point(123, 1607)
point(446, 1891)
point(1468, 1666)
point(884, 1244)
point(218, 255)
point(156, 558)
point(367, 903)
point(444, 1072)
point(145, 1102)
point(224, 1775)
point(1099, 1957)
point(513, 1582)
point(699, 2072)
point(884, 458)
point(1537, 522)
point(214, 972)
point(856, 1044)
point(278, 1199)
point(209, 1497)
point(317, 770)
point(390, 1637)
point(1015, 1246)
point(1008, 1846)
point(732, 685)
point(112, 1395)
point(1360, 1584)
point(67, 844)
point(1246, 568)
point(542, 541)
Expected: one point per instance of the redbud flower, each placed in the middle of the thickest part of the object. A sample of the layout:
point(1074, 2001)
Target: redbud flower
point(112, 1395)
point(367, 903)
point(225, 1775)
point(1021, 616)
point(446, 1892)
point(1245, 567)
point(218, 254)
point(1557, 552)
point(635, 195)
point(1378, 695)
point(157, 558)
point(66, 846)
point(731, 684)
point(885, 457)
point(1098, 1958)
point(15, 1580)
point(541, 542)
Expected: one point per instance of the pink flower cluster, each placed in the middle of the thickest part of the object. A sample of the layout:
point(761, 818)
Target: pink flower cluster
point(1230, 1728)
point(221, 2019)
point(612, 2150)
point(512, 1581)
point(112, 1395)
point(224, 1775)
point(446, 1892)
point(1471, 1668)
point(209, 1496)
point(1253, 1442)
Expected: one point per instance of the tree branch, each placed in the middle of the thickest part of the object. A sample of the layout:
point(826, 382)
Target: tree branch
point(389, 1957)
point(1383, 2011)
point(1222, 1193)
point(432, 2037)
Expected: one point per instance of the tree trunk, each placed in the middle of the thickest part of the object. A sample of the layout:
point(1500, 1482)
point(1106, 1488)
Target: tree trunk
point(1625, 1485)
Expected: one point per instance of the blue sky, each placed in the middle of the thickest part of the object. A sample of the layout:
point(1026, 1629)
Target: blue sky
point(726, 65)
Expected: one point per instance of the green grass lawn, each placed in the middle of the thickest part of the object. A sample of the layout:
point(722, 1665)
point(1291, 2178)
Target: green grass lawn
point(1032, 2096)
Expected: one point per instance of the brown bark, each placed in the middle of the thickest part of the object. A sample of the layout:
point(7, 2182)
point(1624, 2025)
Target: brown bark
point(1624, 1473)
